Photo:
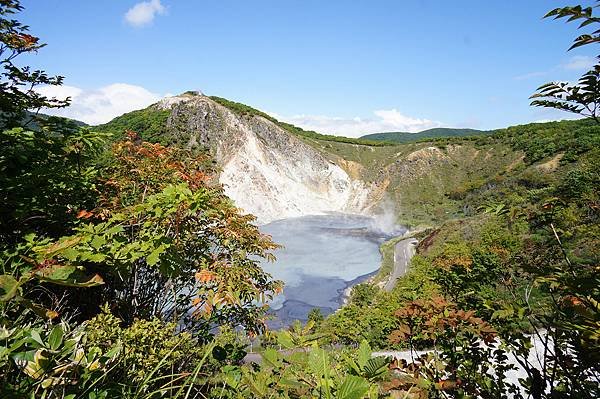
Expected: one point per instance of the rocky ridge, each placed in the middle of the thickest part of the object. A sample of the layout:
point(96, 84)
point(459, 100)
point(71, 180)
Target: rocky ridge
point(266, 170)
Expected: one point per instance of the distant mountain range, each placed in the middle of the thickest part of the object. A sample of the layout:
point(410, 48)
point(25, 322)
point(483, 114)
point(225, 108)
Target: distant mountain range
point(31, 120)
point(405, 137)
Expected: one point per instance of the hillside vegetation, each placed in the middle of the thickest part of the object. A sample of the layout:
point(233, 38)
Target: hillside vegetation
point(428, 180)
point(150, 123)
point(417, 177)
point(405, 137)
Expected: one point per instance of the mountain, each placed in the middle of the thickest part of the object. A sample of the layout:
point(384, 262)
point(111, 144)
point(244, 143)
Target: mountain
point(32, 120)
point(276, 170)
point(405, 137)
point(267, 170)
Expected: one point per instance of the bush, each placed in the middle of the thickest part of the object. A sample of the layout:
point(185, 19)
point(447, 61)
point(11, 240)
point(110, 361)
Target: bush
point(149, 347)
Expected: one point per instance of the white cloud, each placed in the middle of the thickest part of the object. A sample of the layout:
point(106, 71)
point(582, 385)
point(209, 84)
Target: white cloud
point(143, 13)
point(103, 104)
point(390, 120)
point(575, 63)
point(580, 63)
point(99, 105)
point(531, 75)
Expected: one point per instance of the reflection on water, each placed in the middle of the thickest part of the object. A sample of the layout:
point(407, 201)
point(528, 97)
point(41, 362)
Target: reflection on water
point(322, 256)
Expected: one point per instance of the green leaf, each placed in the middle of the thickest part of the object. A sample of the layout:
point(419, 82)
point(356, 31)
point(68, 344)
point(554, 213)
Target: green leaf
point(271, 357)
point(56, 337)
point(287, 382)
point(376, 367)
point(57, 272)
point(36, 337)
point(97, 242)
point(355, 368)
point(60, 246)
point(353, 387)
point(284, 338)
point(68, 275)
point(8, 287)
point(97, 258)
point(364, 353)
point(70, 254)
point(114, 230)
point(232, 376)
point(319, 361)
point(256, 383)
point(154, 256)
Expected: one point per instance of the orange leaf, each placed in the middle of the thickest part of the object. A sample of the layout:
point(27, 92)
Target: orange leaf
point(205, 276)
point(83, 214)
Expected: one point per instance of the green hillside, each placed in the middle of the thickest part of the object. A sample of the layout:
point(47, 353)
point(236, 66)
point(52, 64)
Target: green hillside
point(149, 123)
point(429, 179)
point(405, 137)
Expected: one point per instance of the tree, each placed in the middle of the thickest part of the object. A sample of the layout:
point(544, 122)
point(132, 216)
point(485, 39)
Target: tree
point(167, 242)
point(45, 169)
point(18, 83)
point(582, 98)
point(465, 360)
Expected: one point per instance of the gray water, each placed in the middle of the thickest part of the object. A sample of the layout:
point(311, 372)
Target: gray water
point(322, 256)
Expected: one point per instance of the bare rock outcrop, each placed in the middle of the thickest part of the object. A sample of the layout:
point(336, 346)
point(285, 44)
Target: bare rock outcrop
point(265, 169)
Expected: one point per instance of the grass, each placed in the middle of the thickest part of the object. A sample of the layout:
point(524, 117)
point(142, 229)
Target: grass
point(420, 182)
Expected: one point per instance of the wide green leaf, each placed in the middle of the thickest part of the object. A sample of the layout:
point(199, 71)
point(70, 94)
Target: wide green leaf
point(375, 367)
point(56, 337)
point(353, 387)
point(284, 338)
point(69, 275)
point(154, 256)
point(271, 357)
point(319, 361)
point(364, 353)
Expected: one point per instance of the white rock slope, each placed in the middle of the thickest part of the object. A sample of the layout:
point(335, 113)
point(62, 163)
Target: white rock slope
point(266, 170)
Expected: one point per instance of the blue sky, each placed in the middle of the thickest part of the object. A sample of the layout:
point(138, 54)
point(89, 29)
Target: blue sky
point(343, 67)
